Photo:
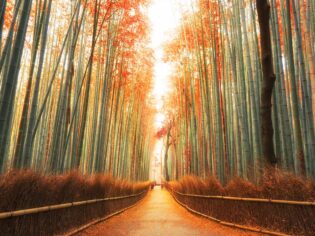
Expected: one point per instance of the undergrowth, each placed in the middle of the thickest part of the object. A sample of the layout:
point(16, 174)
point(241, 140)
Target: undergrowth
point(274, 185)
point(287, 218)
point(27, 189)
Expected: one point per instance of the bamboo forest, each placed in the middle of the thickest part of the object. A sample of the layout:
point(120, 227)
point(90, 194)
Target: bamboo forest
point(211, 101)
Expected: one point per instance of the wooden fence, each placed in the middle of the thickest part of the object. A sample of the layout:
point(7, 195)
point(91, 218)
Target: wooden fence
point(66, 217)
point(268, 216)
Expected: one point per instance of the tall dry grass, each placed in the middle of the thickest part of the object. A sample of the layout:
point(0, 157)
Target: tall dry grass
point(27, 189)
point(291, 219)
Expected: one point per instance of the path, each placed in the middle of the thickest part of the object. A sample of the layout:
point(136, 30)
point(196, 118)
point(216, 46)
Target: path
point(159, 215)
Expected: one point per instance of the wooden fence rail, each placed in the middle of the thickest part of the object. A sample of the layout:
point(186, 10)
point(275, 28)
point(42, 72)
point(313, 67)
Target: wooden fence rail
point(268, 216)
point(5, 215)
point(302, 203)
point(65, 217)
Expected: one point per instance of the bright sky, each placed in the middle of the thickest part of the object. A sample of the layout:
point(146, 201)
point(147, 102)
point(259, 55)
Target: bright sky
point(164, 17)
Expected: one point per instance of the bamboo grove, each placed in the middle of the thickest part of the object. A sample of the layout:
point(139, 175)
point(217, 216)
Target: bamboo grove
point(213, 124)
point(75, 76)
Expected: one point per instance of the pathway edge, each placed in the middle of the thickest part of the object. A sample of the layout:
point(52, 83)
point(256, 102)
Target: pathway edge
point(80, 229)
point(232, 225)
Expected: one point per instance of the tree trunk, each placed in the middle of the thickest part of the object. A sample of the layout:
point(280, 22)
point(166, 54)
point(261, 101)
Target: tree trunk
point(167, 177)
point(2, 13)
point(11, 81)
point(263, 10)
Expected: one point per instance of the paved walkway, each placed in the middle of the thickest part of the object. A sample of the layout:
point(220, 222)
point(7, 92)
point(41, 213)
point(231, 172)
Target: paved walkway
point(159, 215)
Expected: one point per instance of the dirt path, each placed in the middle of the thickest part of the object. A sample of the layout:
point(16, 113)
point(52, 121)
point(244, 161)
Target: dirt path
point(159, 215)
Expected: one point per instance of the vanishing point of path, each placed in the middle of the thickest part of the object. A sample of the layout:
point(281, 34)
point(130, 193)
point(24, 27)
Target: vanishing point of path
point(159, 215)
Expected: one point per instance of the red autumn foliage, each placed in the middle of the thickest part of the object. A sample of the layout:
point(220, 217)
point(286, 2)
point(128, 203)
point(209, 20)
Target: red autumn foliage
point(161, 132)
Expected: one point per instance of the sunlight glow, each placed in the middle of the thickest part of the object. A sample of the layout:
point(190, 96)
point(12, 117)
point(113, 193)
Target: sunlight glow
point(163, 20)
point(164, 17)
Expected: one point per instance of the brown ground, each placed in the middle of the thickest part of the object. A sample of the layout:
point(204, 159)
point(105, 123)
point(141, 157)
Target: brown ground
point(158, 214)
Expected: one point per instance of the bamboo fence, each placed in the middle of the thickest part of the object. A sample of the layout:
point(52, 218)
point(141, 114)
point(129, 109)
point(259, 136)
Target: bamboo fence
point(5, 215)
point(302, 203)
point(263, 230)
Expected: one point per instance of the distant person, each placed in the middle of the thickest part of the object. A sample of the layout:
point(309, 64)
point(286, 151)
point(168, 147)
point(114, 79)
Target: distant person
point(152, 185)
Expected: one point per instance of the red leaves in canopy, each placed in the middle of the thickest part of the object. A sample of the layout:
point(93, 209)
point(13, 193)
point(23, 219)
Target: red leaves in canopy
point(8, 14)
point(161, 133)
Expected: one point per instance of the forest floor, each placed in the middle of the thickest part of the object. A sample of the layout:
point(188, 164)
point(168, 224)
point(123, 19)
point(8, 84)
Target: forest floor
point(158, 214)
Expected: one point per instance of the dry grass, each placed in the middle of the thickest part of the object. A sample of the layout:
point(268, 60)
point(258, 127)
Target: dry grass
point(292, 219)
point(27, 189)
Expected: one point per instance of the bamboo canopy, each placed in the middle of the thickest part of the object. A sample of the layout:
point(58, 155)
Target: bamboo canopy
point(74, 83)
point(220, 114)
